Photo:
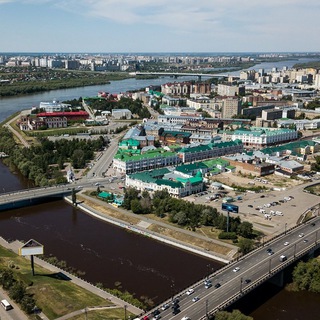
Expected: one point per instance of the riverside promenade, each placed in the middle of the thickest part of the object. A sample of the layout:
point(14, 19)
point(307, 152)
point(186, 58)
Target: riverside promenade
point(15, 245)
point(144, 223)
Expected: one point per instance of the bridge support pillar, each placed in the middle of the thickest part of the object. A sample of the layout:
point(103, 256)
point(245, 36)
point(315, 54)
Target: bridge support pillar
point(278, 279)
point(199, 78)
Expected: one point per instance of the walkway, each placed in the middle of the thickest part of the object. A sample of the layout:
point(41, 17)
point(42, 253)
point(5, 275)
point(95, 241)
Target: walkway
point(144, 223)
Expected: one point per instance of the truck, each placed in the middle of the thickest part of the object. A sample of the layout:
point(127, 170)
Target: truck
point(283, 258)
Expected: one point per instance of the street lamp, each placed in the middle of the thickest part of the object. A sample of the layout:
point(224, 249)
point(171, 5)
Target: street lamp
point(269, 266)
point(208, 268)
point(207, 315)
point(285, 228)
point(172, 288)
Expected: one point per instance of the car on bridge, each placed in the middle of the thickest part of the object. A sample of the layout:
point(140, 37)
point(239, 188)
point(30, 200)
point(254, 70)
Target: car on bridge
point(236, 269)
point(190, 291)
point(286, 243)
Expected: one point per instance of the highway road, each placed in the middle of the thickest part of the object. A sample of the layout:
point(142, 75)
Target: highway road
point(252, 267)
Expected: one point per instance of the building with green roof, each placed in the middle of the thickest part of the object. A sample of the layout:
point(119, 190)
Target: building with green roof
point(178, 185)
point(128, 162)
point(261, 137)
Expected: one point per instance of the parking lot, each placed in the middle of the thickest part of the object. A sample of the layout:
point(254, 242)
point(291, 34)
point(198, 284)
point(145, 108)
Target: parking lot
point(290, 204)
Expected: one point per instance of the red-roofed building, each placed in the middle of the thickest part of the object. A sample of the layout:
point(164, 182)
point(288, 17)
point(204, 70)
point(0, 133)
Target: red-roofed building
point(72, 115)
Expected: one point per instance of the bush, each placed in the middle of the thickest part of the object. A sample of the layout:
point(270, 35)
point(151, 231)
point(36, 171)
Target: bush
point(228, 235)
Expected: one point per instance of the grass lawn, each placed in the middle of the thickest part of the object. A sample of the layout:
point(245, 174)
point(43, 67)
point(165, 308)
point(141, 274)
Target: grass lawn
point(54, 294)
point(104, 315)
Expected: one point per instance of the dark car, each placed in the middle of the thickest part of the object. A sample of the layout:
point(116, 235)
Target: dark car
point(247, 281)
point(156, 312)
point(250, 205)
point(269, 250)
point(175, 311)
point(217, 285)
point(175, 301)
point(313, 224)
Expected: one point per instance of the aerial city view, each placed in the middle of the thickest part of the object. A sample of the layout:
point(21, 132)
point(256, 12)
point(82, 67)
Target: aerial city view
point(159, 161)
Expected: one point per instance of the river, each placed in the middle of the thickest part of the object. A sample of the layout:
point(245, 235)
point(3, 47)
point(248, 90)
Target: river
point(115, 257)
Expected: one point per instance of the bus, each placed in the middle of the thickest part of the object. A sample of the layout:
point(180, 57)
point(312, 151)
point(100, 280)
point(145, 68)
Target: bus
point(6, 305)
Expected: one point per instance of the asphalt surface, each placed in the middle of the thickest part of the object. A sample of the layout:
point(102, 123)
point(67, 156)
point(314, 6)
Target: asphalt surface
point(250, 269)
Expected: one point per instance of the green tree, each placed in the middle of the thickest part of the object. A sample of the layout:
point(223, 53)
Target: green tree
point(136, 206)
point(28, 304)
point(6, 278)
point(17, 291)
point(245, 229)
point(245, 245)
point(306, 276)
point(130, 194)
point(234, 315)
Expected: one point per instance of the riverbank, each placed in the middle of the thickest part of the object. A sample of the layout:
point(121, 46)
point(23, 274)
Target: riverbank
point(157, 230)
point(56, 298)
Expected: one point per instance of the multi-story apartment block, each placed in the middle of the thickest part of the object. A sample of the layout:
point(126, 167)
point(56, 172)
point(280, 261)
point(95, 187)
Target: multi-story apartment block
point(176, 88)
point(228, 90)
point(231, 106)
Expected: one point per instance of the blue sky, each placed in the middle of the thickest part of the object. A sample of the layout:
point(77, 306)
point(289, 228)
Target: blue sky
point(159, 25)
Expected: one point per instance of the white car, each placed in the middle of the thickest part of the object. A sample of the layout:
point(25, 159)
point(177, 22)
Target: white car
point(286, 243)
point(236, 269)
point(185, 318)
point(190, 291)
point(301, 235)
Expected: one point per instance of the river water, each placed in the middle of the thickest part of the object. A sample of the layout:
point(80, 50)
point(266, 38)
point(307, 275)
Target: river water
point(113, 256)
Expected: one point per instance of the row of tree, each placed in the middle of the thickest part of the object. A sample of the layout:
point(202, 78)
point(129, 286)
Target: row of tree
point(186, 214)
point(17, 290)
point(107, 104)
point(43, 163)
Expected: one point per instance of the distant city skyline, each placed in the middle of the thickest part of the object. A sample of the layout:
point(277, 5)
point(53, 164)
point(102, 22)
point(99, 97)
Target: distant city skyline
point(153, 26)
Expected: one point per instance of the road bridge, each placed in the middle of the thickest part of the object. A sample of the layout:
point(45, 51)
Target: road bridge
point(238, 278)
point(182, 74)
point(28, 197)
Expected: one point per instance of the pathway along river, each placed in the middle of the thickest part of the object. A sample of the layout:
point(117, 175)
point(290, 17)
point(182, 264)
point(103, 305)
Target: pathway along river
point(111, 255)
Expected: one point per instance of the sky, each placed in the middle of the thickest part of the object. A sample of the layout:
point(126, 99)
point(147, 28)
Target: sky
point(73, 26)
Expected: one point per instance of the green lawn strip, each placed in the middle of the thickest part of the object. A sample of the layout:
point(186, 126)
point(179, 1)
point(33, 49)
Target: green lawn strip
point(113, 314)
point(55, 296)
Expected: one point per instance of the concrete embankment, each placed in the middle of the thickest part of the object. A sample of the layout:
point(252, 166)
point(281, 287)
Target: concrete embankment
point(141, 229)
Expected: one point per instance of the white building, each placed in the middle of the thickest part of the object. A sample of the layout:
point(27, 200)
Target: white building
point(262, 137)
point(54, 106)
point(121, 113)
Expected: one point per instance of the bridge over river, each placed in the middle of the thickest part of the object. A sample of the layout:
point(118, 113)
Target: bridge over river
point(238, 278)
point(181, 74)
point(27, 197)
point(229, 283)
